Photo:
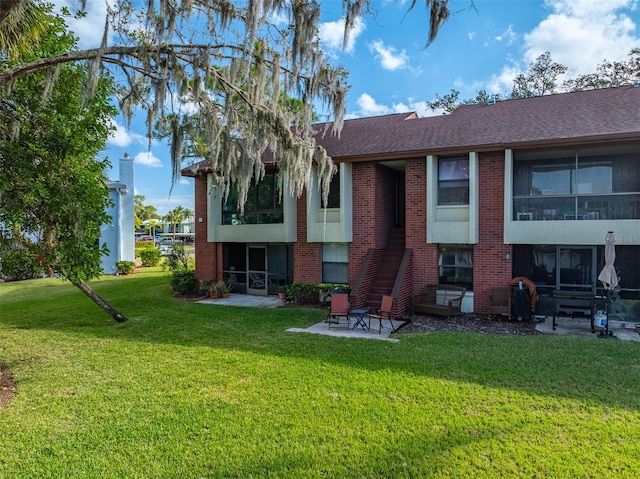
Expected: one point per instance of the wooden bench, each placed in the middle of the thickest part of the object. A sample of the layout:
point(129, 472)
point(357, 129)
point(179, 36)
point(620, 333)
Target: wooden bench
point(439, 299)
point(571, 302)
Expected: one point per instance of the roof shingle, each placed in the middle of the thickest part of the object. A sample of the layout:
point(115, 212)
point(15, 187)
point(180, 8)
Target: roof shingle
point(588, 115)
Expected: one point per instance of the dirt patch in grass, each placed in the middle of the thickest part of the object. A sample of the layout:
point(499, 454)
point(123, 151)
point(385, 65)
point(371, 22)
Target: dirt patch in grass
point(8, 388)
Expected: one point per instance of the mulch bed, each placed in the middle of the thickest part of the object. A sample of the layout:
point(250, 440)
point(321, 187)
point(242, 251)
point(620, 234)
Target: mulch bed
point(470, 322)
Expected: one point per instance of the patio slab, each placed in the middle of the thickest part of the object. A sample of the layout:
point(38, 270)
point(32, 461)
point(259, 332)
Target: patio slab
point(343, 330)
point(245, 300)
point(620, 330)
point(582, 327)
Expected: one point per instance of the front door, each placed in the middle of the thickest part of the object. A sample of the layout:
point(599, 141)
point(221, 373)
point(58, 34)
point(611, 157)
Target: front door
point(257, 269)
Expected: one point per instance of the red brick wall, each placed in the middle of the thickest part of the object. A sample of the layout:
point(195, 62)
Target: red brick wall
point(490, 269)
point(307, 257)
point(373, 196)
point(363, 217)
point(206, 256)
point(385, 203)
point(425, 256)
point(373, 215)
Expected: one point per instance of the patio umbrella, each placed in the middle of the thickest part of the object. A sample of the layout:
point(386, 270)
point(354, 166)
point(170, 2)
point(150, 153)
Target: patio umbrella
point(608, 275)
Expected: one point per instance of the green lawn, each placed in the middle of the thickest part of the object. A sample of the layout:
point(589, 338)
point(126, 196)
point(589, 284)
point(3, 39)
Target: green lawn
point(186, 390)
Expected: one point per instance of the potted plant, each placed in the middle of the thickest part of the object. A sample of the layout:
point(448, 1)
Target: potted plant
point(215, 290)
point(225, 289)
point(282, 292)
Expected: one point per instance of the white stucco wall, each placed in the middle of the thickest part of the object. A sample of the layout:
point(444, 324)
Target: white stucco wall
point(119, 234)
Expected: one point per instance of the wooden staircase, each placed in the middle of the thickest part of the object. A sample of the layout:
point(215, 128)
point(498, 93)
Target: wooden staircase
point(385, 277)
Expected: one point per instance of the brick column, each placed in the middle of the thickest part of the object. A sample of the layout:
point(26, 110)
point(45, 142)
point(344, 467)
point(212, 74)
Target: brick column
point(206, 253)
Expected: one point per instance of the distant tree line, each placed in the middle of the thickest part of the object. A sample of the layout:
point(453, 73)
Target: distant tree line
point(543, 78)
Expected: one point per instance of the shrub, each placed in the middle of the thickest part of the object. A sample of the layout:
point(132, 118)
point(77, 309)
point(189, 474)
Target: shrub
point(303, 293)
point(20, 264)
point(183, 281)
point(329, 287)
point(125, 267)
point(325, 290)
point(183, 276)
point(149, 256)
point(178, 259)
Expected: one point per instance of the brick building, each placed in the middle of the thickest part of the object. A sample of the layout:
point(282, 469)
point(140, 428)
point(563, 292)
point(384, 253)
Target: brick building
point(525, 187)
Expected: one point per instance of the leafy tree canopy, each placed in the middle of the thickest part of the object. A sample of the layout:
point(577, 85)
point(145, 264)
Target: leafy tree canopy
point(53, 194)
point(216, 75)
point(543, 77)
point(143, 212)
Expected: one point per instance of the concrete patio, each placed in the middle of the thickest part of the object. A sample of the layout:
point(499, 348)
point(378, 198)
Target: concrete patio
point(581, 327)
point(564, 325)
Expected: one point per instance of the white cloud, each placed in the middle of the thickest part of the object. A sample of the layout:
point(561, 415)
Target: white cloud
point(421, 107)
point(503, 82)
point(332, 34)
point(471, 35)
point(279, 18)
point(580, 34)
point(146, 158)
point(88, 29)
point(389, 58)
point(509, 36)
point(120, 137)
point(368, 106)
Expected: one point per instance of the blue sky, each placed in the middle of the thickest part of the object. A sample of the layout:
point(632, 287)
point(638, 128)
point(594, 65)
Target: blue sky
point(392, 71)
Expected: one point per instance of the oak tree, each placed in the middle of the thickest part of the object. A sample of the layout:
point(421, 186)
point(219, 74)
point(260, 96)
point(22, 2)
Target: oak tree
point(53, 194)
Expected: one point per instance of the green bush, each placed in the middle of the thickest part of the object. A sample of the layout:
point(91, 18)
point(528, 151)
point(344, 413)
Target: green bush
point(179, 260)
point(125, 267)
point(20, 264)
point(303, 293)
point(325, 290)
point(183, 281)
point(149, 256)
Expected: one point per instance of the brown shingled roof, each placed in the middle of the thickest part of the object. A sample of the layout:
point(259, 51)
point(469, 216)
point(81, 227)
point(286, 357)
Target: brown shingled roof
point(603, 114)
point(565, 118)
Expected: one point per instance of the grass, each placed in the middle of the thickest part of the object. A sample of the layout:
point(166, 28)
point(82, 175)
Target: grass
point(191, 390)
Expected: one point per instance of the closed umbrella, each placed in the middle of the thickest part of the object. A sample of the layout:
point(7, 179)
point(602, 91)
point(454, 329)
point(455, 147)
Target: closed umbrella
point(608, 275)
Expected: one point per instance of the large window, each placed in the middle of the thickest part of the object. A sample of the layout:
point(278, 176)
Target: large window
point(237, 259)
point(334, 192)
point(453, 181)
point(589, 184)
point(335, 262)
point(455, 265)
point(553, 267)
point(263, 205)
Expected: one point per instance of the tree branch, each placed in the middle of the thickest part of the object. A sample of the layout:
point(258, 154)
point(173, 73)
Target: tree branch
point(10, 74)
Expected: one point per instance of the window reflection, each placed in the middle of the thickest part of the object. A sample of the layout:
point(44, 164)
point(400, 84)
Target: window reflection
point(593, 184)
point(453, 181)
point(263, 205)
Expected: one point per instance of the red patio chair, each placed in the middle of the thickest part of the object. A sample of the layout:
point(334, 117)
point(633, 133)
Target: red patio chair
point(383, 313)
point(339, 308)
